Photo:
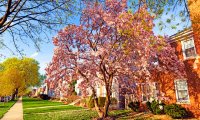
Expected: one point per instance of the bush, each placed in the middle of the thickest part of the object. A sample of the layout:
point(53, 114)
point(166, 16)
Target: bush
point(134, 106)
point(44, 97)
point(90, 102)
point(83, 102)
point(175, 111)
point(113, 101)
point(155, 107)
point(148, 104)
point(74, 93)
point(101, 101)
point(55, 99)
point(72, 98)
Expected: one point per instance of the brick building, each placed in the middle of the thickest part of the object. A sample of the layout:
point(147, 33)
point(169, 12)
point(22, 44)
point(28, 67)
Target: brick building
point(187, 91)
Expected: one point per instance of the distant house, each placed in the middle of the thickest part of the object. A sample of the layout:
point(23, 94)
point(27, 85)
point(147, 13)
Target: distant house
point(101, 90)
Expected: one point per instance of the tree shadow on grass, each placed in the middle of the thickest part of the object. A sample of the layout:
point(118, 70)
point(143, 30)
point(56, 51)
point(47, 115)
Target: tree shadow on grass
point(132, 115)
point(4, 106)
point(127, 115)
point(135, 116)
point(121, 115)
point(31, 99)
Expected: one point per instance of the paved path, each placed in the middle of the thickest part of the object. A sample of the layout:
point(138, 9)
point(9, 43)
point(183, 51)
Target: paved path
point(15, 112)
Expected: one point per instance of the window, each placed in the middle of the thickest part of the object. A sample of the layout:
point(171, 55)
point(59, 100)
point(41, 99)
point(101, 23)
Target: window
point(149, 91)
point(145, 91)
point(181, 88)
point(155, 90)
point(188, 48)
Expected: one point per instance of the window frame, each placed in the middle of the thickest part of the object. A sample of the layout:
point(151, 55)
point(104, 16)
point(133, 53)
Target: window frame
point(144, 92)
point(178, 101)
point(183, 48)
point(150, 91)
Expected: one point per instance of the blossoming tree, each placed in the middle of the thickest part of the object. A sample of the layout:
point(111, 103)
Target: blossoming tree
point(111, 43)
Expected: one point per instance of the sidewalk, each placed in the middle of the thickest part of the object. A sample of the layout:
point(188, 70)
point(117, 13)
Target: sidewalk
point(15, 112)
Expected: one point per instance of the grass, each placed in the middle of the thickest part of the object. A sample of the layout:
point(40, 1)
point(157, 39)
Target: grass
point(36, 109)
point(129, 115)
point(5, 107)
point(51, 109)
point(35, 102)
point(65, 115)
point(119, 114)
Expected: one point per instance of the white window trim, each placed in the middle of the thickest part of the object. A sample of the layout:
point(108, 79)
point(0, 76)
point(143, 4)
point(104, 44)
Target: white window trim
point(183, 49)
point(144, 95)
point(149, 95)
point(176, 91)
point(156, 90)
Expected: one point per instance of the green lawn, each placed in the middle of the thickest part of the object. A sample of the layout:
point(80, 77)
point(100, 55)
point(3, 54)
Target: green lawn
point(36, 109)
point(35, 102)
point(63, 115)
point(51, 109)
point(5, 107)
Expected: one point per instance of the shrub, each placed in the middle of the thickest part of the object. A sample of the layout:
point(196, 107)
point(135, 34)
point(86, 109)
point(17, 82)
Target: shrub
point(155, 107)
point(83, 102)
point(72, 98)
point(90, 102)
point(113, 101)
point(55, 99)
point(175, 111)
point(101, 101)
point(74, 93)
point(134, 106)
point(148, 104)
point(44, 97)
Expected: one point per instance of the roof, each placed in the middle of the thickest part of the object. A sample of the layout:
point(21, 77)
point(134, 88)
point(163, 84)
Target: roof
point(182, 35)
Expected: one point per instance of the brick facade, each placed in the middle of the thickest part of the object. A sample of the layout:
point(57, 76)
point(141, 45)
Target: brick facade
point(192, 67)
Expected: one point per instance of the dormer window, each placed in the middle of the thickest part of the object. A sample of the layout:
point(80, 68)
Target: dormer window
point(188, 48)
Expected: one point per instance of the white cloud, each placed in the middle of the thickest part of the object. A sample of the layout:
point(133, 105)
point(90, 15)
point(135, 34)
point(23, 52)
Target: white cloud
point(34, 55)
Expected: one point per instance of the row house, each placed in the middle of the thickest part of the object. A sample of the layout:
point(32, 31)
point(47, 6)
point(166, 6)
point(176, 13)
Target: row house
point(187, 91)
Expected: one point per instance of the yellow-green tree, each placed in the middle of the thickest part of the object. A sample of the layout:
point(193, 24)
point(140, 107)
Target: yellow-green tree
point(20, 74)
point(6, 86)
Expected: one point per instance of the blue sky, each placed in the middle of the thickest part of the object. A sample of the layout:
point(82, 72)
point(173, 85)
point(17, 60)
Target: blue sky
point(45, 55)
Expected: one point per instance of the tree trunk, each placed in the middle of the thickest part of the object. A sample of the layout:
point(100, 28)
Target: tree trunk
point(17, 91)
point(14, 95)
point(99, 111)
point(107, 104)
point(3, 101)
